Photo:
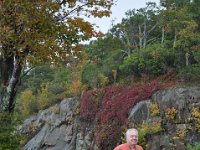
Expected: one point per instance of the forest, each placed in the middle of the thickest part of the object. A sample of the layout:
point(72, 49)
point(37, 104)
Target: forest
point(43, 59)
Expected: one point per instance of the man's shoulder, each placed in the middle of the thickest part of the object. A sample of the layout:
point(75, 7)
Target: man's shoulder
point(125, 146)
point(138, 147)
point(122, 147)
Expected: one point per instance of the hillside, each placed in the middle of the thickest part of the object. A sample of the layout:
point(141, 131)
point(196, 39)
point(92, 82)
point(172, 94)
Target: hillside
point(144, 72)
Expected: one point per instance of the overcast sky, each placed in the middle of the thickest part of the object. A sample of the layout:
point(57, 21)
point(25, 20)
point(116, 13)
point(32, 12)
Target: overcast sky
point(118, 12)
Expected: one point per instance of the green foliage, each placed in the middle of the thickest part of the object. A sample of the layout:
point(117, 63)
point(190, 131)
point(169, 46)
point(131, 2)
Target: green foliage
point(55, 89)
point(43, 96)
point(197, 56)
point(196, 116)
point(112, 62)
point(90, 75)
point(131, 64)
point(150, 60)
point(61, 75)
point(37, 76)
point(107, 54)
point(28, 102)
point(171, 113)
point(146, 129)
point(136, 30)
point(194, 146)
point(155, 111)
point(103, 80)
point(43, 85)
point(190, 74)
point(33, 107)
point(169, 4)
point(76, 88)
point(104, 48)
point(9, 138)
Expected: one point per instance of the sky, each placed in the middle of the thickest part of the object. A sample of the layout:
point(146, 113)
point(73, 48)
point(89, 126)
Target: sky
point(118, 12)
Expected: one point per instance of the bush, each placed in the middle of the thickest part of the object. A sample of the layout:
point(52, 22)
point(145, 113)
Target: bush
point(76, 87)
point(56, 89)
point(90, 75)
point(194, 146)
point(150, 60)
point(189, 74)
point(28, 103)
point(9, 137)
point(197, 56)
point(43, 97)
point(103, 80)
point(61, 75)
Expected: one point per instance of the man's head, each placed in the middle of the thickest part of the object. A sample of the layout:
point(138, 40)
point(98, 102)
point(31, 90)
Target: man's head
point(132, 137)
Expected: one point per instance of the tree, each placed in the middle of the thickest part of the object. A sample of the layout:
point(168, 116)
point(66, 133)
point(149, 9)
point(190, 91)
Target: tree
point(174, 4)
point(177, 19)
point(37, 31)
point(136, 29)
point(106, 53)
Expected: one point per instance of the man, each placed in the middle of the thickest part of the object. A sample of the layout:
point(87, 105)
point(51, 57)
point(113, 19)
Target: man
point(131, 141)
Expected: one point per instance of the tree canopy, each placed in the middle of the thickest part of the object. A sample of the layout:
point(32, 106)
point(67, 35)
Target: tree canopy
point(36, 31)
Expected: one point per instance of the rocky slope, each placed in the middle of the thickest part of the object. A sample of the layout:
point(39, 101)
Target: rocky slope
point(174, 112)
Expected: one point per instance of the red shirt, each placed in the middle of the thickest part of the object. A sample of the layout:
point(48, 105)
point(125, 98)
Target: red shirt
point(126, 147)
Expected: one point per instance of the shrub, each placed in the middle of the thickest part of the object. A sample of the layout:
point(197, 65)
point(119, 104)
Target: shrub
point(28, 102)
point(197, 56)
point(190, 74)
point(61, 75)
point(146, 129)
point(43, 97)
point(76, 87)
point(154, 109)
point(151, 60)
point(33, 106)
point(196, 116)
point(194, 146)
point(9, 138)
point(90, 75)
point(171, 113)
point(56, 89)
point(103, 80)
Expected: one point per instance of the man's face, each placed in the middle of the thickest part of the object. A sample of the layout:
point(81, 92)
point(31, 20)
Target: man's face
point(132, 138)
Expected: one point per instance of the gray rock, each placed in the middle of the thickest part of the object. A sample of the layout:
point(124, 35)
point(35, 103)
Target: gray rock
point(140, 112)
point(36, 142)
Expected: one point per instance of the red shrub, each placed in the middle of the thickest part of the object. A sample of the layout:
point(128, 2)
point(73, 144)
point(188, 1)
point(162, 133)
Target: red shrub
point(114, 105)
point(88, 107)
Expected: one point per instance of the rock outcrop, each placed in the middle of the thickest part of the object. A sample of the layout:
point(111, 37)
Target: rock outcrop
point(58, 128)
point(178, 126)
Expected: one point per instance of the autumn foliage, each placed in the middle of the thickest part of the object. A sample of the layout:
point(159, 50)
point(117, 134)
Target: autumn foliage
point(109, 108)
point(37, 32)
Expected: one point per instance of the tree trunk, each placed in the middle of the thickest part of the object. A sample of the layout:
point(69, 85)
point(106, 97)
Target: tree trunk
point(140, 37)
point(8, 92)
point(174, 43)
point(145, 33)
point(187, 59)
point(163, 36)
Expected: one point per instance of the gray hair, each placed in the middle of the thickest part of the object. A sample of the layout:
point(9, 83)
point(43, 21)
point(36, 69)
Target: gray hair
point(129, 130)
